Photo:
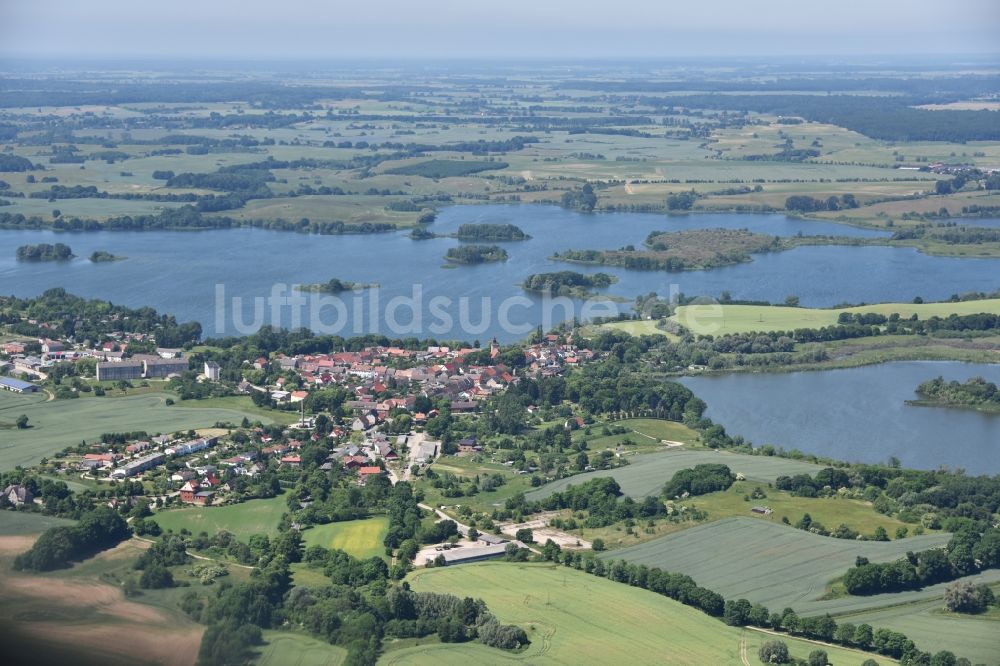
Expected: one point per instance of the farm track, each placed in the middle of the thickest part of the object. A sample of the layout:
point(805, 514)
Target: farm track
point(743, 648)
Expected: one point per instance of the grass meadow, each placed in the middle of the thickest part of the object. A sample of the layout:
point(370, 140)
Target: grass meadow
point(57, 424)
point(283, 648)
point(645, 474)
point(728, 319)
point(828, 511)
point(243, 520)
point(360, 538)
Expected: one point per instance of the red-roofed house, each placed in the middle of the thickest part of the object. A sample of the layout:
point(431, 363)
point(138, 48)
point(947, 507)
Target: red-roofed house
point(188, 491)
point(366, 472)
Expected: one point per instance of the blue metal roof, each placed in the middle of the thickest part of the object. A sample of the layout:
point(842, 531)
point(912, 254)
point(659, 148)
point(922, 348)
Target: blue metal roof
point(16, 383)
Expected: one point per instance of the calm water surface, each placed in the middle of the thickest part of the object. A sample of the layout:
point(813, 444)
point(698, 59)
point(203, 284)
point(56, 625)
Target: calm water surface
point(858, 414)
point(183, 272)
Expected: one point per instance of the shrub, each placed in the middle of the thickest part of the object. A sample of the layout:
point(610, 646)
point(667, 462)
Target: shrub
point(773, 652)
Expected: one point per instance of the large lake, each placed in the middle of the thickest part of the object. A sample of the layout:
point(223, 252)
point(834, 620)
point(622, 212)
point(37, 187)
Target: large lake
point(858, 414)
point(196, 275)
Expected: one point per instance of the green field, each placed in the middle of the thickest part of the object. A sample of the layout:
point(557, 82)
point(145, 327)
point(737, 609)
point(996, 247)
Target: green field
point(646, 435)
point(61, 423)
point(932, 628)
point(645, 474)
point(828, 511)
point(770, 563)
point(244, 405)
point(718, 319)
point(243, 520)
point(469, 467)
point(283, 648)
point(360, 538)
point(575, 618)
point(18, 523)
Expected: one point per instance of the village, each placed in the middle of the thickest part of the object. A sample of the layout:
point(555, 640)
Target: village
point(386, 395)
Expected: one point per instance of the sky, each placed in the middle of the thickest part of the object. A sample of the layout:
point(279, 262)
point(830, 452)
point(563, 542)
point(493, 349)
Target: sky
point(511, 29)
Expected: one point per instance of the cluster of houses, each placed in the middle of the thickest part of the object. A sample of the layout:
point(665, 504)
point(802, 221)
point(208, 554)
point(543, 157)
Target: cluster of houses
point(112, 361)
point(386, 379)
point(142, 456)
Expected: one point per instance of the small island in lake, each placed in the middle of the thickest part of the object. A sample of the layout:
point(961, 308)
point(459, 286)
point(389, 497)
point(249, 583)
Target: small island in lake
point(491, 232)
point(475, 254)
point(101, 256)
point(44, 252)
point(682, 250)
point(976, 393)
point(422, 234)
point(333, 286)
point(568, 283)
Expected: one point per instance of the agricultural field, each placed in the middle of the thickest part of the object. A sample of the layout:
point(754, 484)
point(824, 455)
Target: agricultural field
point(283, 648)
point(360, 538)
point(770, 563)
point(244, 405)
point(376, 170)
point(243, 520)
point(326, 209)
point(976, 637)
point(56, 424)
point(645, 474)
point(23, 523)
point(575, 618)
point(719, 319)
point(80, 615)
point(97, 209)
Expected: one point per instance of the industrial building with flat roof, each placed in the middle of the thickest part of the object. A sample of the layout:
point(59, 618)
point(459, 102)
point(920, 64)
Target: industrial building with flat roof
point(137, 368)
point(113, 371)
point(16, 385)
point(164, 367)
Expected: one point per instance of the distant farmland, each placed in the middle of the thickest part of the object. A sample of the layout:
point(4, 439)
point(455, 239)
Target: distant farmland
point(725, 319)
point(646, 474)
point(773, 564)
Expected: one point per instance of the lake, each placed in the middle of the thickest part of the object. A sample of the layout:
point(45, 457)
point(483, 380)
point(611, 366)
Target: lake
point(196, 275)
point(858, 414)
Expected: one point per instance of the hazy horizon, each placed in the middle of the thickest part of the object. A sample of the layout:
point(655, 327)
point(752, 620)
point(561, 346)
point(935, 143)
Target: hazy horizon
point(519, 30)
